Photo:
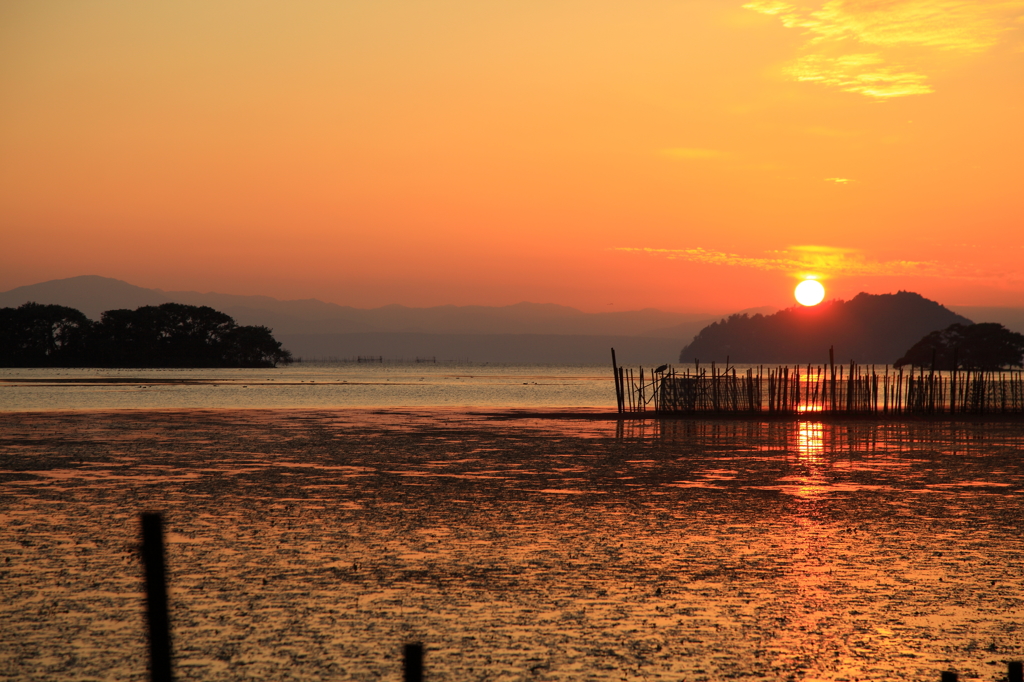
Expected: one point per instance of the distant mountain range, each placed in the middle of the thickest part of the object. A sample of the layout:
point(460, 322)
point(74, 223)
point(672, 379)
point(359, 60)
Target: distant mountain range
point(524, 332)
point(94, 295)
point(869, 328)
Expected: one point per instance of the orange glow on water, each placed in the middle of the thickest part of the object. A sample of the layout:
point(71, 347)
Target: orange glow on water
point(810, 440)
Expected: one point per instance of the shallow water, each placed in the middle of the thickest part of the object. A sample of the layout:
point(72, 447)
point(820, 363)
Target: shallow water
point(311, 545)
point(310, 385)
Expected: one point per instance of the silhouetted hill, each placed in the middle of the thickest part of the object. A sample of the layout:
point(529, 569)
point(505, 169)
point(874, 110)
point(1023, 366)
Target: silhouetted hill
point(90, 294)
point(868, 329)
point(690, 328)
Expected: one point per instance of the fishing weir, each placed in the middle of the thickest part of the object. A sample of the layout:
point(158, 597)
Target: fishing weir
point(817, 389)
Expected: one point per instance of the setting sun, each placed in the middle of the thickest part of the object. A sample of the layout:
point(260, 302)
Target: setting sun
point(809, 292)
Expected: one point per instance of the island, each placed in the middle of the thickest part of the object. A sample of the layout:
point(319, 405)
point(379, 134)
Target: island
point(167, 335)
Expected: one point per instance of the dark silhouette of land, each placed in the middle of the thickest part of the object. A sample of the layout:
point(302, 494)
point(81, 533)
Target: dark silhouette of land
point(866, 329)
point(521, 333)
point(168, 335)
point(987, 346)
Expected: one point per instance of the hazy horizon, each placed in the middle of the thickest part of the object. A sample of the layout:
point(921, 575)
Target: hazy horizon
point(342, 303)
point(708, 313)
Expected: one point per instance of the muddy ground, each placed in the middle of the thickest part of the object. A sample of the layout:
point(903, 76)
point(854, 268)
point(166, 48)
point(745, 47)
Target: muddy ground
point(311, 545)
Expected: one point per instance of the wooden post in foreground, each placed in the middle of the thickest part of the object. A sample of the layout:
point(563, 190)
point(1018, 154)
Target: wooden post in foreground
point(412, 665)
point(156, 598)
point(618, 388)
point(1015, 672)
point(949, 676)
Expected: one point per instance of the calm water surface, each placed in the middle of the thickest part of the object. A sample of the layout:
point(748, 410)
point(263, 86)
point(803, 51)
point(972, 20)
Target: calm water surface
point(311, 544)
point(310, 385)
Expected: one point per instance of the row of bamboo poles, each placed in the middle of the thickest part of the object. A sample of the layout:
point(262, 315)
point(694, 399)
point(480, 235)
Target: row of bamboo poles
point(831, 388)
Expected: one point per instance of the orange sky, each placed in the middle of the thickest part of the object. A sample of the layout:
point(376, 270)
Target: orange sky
point(680, 154)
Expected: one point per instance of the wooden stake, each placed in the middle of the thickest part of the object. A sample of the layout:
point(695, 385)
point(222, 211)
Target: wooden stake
point(156, 598)
point(412, 663)
point(618, 388)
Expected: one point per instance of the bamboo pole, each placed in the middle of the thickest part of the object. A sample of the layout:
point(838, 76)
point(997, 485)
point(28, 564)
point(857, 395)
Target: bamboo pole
point(952, 383)
point(641, 391)
point(899, 393)
point(849, 390)
point(874, 390)
point(885, 391)
point(622, 386)
point(735, 392)
point(632, 391)
point(618, 390)
point(832, 365)
point(714, 389)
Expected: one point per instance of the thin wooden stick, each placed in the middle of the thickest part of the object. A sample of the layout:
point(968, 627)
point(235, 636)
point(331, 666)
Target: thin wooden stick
point(156, 598)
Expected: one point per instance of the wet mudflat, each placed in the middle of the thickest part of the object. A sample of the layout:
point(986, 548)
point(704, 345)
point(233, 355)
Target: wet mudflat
point(310, 545)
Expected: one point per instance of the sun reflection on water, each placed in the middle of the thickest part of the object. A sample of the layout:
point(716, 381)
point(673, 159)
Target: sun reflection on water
point(810, 441)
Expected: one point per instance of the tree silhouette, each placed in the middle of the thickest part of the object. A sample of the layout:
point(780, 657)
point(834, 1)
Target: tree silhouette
point(253, 347)
point(168, 335)
point(35, 335)
point(986, 346)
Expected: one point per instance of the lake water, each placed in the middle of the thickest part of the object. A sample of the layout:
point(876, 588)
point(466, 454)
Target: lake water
point(311, 385)
point(312, 543)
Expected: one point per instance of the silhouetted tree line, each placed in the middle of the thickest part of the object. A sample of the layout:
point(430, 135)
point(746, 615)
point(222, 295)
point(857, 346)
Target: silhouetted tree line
point(868, 328)
point(986, 346)
point(168, 335)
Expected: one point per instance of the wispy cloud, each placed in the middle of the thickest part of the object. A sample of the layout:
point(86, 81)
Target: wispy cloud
point(866, 74)
point(837, 30)
point(803, 260)
point(839, 181)
point(962, 25)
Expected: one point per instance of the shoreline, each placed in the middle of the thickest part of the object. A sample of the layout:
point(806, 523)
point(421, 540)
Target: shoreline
point(511, 414)
point(759, 417)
